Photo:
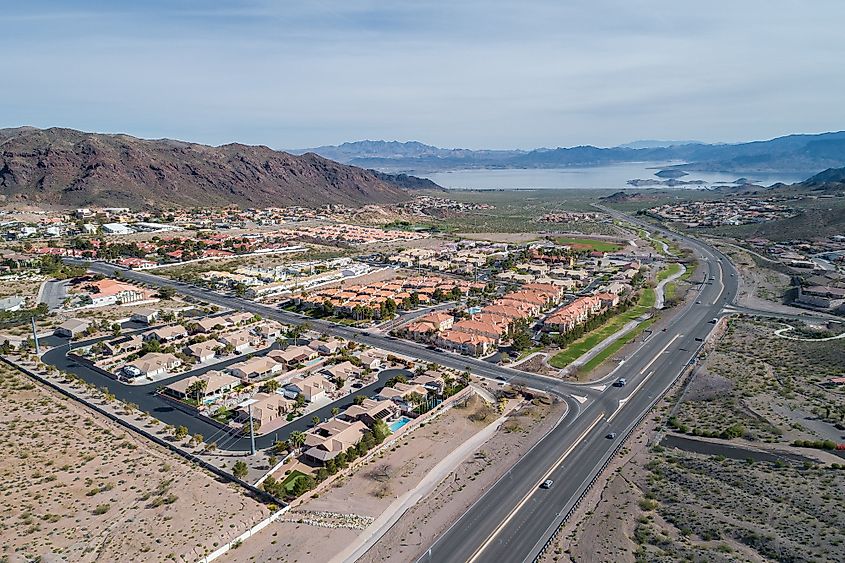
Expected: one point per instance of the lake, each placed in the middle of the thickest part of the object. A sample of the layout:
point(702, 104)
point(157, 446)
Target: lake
point(609, 176)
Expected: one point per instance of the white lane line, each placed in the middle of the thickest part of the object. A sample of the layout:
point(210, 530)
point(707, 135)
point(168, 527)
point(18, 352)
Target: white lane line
point(579, 398)
point(654, 359)
point(599, 387)
point(513, 512)
point(721, 283)
point(628, 398)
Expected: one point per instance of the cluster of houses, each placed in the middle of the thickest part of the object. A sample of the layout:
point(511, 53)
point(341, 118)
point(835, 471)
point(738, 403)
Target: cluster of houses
point(738, 211)
point(567, 317)
point(326, 440)
point(92, 293)
point(351, 300)
point(300, 376)
point(484, 330)
point(461, 257)
point(351, 234)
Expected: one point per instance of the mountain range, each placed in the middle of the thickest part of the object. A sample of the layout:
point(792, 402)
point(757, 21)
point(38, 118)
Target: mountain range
point(66, 167)
point(803, 154)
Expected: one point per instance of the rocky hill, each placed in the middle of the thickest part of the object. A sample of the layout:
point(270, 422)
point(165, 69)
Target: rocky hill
point(70, 168)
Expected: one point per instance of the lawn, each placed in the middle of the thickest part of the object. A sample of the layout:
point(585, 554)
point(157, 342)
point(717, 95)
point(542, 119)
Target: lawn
point(668, 271)
point(592, 245)
point(617, 345)
point(590, 340)
point(291, 480)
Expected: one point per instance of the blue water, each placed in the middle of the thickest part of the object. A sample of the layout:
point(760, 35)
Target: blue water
point(474, 310)
point(398, 423)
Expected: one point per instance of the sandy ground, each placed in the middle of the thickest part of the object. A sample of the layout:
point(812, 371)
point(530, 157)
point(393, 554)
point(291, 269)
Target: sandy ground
point(354, 501)
point(77, 487)
point(418, 528)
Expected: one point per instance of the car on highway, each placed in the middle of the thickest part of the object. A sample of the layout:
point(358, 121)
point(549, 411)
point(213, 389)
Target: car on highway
point(431, 347)
point(621, 382)
point(713, 321)
point(547, 484)
point(611, 435)
point(699, 339)
point(698, 302)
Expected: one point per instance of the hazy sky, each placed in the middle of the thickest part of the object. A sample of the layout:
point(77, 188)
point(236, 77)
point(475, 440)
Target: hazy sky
point(476, 73)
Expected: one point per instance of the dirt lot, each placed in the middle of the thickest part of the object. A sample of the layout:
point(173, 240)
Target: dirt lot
point(77, 487)
point(767, 388)
point(353, 502)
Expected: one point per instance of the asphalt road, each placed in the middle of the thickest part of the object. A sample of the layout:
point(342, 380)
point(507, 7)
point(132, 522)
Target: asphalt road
point(53, 293)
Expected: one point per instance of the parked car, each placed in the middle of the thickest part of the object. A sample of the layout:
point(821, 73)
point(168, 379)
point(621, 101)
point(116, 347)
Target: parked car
point(131, 371)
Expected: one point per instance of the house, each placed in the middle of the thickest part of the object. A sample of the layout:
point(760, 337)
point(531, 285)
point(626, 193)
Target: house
point(431, 380)
point(203, 351)
point(166, 333)
point(440, 321)
point(208, 324)
point(239, 318)
point(400, 392)
point(265, 407)
point(155, 364)
point(312, 388)
point(144, 315)
point(293, 355)
point(466, 343)
point(217, 384)
point(269, 331)
point(110, 292)
point(254, 368)
point(72, 328)
point(123, 345)
point(339, 372)
point(240, 340)
point(481, 328)
point(327, 347)
point(370, 360)
point(325, 441)
point(372, 410)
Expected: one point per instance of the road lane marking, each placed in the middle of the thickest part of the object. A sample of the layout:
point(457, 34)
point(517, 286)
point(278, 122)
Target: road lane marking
point(579, 398)
point(654, 359)
point(599, 387)
point(533, 490)
point(622, 402)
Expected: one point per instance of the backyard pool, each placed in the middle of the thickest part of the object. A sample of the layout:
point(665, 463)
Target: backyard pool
point(398, 423)
point(474, 310)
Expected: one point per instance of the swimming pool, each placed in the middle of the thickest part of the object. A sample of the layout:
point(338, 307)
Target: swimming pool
point(474, 310)
point(398, 423)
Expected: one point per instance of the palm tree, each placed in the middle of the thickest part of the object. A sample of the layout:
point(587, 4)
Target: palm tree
point(296, 439)
point(335, 411)
point(271, 385)
point(197, 389)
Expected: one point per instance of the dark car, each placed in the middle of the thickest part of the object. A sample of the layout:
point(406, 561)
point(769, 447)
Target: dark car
point(611, 435)
point(621, 382)
point(547, 484)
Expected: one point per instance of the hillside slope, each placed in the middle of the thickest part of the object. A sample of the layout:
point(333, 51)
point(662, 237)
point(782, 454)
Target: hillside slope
point(71, 168)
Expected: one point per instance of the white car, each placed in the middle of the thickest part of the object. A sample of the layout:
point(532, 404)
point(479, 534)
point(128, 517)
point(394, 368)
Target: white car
point(131, 371)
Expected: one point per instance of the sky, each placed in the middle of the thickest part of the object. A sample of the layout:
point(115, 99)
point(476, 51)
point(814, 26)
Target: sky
point(472, 74)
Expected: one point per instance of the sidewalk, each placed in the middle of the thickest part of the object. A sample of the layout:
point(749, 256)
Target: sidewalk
point(659, 293)
point(389, 517)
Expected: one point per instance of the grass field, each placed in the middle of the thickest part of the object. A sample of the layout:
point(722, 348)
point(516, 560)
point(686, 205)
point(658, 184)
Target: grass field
point(590, 340)
point(617, 345)
point(291, 480)
point(592, 245)
point(668, 271)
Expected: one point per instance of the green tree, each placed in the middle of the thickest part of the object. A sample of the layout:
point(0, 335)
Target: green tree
point(240, 469)
point(197, 389)
point(180, 432)
point(296, 439)
point(166, 292)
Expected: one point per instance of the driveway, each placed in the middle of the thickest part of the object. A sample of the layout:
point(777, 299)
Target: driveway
point(53, 293)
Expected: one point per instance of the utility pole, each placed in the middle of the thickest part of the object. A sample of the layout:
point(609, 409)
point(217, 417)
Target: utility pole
point(35, 337)
point(251, 430)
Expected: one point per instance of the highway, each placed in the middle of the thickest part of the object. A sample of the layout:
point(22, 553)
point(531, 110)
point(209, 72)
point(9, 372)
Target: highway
point(514, 518)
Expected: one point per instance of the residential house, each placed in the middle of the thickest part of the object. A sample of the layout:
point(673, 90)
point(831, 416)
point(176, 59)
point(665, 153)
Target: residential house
point(326, 347)
point(293, 355)
point(339, 372)
point(217, 384)
point(312, 387)
point(466, 343)
point(144, 315)
point(265, 408)
point(155, 364)
point(256, 367)
point(372, 410)
point(203, 351)
point(325, 441)
point(72, 328)
point(370, 360)
point(240, 340)
point(166, 333)
point(110, 292)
